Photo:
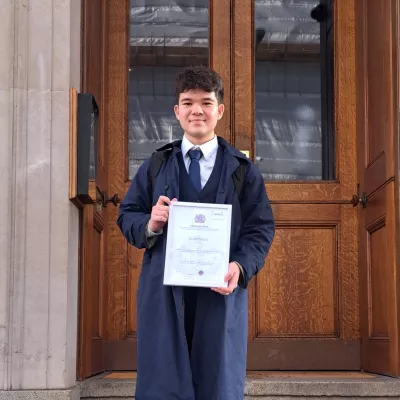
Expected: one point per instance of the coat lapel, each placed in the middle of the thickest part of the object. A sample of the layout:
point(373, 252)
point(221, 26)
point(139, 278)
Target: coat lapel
point(172, 178)
point(229, 166)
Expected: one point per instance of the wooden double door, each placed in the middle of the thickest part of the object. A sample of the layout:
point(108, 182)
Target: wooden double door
point(327, 298)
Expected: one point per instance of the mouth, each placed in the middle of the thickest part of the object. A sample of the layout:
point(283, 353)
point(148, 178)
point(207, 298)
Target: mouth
point(197, 120)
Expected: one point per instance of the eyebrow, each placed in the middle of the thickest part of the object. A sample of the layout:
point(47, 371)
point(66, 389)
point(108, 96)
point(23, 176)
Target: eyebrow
point(203, 99)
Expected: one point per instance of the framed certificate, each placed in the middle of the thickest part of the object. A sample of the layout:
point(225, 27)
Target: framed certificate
point(198, 244)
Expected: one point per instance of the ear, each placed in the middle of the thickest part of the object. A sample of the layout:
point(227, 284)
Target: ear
point(176, 109)
point(221, 109)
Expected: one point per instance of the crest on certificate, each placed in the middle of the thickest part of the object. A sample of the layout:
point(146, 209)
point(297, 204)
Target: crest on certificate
point(200, 219)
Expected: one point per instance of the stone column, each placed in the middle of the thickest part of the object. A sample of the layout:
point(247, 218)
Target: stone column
point(39, 227)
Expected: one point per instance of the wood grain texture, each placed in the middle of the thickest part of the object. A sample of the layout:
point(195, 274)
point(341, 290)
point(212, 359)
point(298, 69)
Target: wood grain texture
point(379, 321)
point(393, 278)
point(346, 165)
point(275, 375)
point(303, 354)
point(345, 96)
point(92, 283)
point(91, 295)
point(314, 214)
point(301, 191)
point(134, 258)
point(378, 83)
point(396, 158)
point(73, 154)
point(348, 272)
point(297, 293)
point(377, 62)
point(243, 76)
point(95, 74)
point(97, 292)
point(320, 239)
point(117, 166)
point(378, 50)
point(377, 108)
point(84, 324)
point(378, 275)
point(220, 58)
point(309, 285)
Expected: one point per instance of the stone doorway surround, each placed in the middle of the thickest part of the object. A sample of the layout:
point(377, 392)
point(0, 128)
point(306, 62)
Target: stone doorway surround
point(39, 227)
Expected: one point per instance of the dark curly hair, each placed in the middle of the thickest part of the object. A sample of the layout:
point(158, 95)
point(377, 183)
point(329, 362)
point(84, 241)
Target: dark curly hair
point(199, 77)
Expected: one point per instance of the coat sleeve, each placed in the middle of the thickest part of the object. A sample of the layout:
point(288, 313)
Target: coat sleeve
point(135, 209)
point(258, 227)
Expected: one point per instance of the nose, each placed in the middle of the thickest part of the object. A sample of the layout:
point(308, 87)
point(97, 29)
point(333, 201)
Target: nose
point(197, 109)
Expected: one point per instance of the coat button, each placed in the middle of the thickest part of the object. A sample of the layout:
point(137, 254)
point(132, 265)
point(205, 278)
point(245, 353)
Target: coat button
point(166, 187)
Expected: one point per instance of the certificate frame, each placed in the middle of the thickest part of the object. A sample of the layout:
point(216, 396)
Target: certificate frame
point(198, 244)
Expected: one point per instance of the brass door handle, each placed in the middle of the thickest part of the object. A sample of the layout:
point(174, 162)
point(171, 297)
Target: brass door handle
point(356, 200)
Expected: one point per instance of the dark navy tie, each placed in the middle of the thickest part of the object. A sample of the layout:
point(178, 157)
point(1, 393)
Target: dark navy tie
point(194, 168)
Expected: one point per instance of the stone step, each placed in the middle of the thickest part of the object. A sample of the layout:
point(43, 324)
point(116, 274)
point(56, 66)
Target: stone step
point(268, 385)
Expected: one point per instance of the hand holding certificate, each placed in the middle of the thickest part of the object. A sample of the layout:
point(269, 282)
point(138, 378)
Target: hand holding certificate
point(198, 244)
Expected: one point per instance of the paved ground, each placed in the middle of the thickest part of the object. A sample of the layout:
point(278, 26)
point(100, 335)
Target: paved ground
point(268, 385)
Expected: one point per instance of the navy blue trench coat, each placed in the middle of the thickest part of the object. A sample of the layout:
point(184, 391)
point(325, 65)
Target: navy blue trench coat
point(217, 365)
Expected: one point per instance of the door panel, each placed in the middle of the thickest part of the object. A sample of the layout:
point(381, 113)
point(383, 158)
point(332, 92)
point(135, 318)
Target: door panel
point(92, 296)
point(304, 303)
point(117, 269)
point(379, 322)
point(92, 280)
point(124, 262)
point(304, 300)
point(377, 63)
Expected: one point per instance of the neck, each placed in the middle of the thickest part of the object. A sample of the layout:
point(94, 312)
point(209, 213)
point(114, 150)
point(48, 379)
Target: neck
point(200, 141)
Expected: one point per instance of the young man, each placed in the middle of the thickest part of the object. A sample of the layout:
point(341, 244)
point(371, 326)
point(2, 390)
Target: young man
point(192, 342)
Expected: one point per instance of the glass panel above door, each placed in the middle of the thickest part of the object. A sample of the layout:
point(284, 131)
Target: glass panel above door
point(165, 36)
point(294, 89)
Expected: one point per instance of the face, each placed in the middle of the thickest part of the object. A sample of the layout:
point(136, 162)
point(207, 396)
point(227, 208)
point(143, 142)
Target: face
point(198, 113)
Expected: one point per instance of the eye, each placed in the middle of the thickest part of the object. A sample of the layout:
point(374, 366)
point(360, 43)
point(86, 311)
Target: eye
point(186, 103)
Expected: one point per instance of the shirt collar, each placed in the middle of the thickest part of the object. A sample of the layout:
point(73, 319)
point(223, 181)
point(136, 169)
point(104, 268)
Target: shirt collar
point(207, 148)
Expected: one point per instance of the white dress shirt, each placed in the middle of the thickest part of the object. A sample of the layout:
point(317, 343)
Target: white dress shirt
point(207, 161)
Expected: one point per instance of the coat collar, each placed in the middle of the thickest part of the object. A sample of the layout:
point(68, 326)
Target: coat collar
point(176, 147)
point(231, 156)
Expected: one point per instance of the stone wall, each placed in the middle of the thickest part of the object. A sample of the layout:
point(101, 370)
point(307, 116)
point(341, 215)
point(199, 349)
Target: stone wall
point(39, 227)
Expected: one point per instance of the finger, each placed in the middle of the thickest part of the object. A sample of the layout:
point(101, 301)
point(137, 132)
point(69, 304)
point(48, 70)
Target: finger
point(160, 215)
point(233, 275)
point(162, 200)
point(232, 285)
point(159, 218)
point(217, 290)
point(158, 211)
point(223, 291)
point(174, 199)
point(161, 207)
point(228, 276)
